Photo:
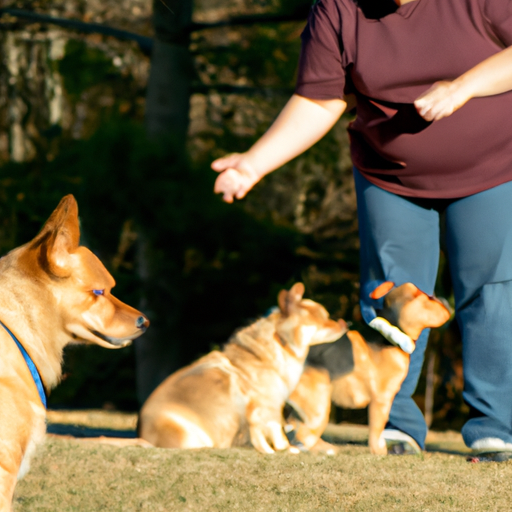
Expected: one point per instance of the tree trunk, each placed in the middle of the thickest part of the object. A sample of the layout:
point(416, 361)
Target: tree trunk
point(168, 95)
point(167, 112)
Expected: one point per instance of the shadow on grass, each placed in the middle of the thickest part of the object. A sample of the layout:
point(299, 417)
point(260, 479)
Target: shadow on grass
point(447, 451)
point(79, 431)
point(338, 435)
point(448, 443)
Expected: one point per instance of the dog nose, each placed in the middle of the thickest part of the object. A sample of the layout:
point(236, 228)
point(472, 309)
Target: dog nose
point(142, 322)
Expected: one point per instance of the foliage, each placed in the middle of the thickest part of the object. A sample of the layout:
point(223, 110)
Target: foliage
point(94, 67)
point(234, 55)
point(212, 266)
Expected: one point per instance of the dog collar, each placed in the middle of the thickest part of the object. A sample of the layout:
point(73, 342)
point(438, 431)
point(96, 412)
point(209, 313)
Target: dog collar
point(393, 334)
point(31, 366)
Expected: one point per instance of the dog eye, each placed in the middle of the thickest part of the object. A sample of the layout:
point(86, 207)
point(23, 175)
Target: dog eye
point(98, 292)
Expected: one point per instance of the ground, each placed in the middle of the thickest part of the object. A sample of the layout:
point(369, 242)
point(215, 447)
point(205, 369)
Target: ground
point(73, 475)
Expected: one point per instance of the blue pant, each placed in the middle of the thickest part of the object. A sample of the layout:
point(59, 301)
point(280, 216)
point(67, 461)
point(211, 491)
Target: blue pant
point(400, 242)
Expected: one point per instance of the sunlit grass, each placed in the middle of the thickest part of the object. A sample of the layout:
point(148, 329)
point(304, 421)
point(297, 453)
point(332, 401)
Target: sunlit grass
point(72, 475)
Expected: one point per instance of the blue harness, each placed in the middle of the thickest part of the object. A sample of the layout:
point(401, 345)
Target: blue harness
point(31, 366)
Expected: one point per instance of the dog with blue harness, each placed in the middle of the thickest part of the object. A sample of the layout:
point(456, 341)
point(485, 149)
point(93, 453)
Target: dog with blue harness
point(54, 291)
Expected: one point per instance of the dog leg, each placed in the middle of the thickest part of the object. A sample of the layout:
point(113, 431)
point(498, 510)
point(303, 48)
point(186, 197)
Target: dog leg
point(259, 440)
point(378, 414)
point(265, 425)
point(385, 386)
point(271, 431)
point(7, 485)
point(311, 400)
point(11, 456)
point(277, 437)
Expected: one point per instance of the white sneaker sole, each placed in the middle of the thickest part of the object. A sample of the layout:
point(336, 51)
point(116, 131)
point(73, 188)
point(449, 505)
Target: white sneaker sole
point(395, 437)
point(491, 444)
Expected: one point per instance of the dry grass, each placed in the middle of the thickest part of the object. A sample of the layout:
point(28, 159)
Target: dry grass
point(69, 475)
point(94, 418)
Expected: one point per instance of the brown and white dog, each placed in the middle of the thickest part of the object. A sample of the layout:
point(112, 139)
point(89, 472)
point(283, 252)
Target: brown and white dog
point(54, 291)
point(230, 397)
point(364, 370)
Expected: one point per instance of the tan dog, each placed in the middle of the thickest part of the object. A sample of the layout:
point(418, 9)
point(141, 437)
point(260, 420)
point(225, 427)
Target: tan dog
point(358, 370)
point(53, 292)
point(235, 395)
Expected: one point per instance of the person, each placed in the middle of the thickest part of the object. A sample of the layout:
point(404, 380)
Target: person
point(433, 136)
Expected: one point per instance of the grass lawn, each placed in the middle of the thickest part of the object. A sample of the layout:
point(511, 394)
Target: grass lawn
point(84, 476)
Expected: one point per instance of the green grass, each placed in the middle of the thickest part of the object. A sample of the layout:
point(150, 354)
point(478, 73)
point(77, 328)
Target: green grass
point(70, 475)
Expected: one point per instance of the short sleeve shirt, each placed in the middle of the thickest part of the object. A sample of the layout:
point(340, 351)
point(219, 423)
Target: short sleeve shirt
point(388, 63)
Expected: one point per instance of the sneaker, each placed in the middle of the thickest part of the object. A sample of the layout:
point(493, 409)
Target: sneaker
point(490, 449)
point(491, 444)
point(400, 443)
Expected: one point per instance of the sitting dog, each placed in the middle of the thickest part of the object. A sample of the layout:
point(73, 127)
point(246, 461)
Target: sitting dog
point(53, 292)
point(230, 397)
point(366, 368)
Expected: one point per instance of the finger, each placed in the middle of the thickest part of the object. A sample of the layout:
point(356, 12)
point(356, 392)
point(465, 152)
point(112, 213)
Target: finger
point(435, 94)
point(428, 116)
point(219, 165)
point(225, 189)
point(218, 187)
point(420, 103)
point(425, 113)
point(442, 114)
point(436, 111)
point(423, 97)
point(423, 107)
point(223, 163)
point(419, 109)
point(240, 194)
point(227, 198)
point(224, 181)
point(442, 109)
point(224, 185)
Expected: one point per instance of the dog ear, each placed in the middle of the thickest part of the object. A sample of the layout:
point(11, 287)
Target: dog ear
point(382, 290)
point(428, 312)
point(287, 300)
point(415, 310)
point(59, 237)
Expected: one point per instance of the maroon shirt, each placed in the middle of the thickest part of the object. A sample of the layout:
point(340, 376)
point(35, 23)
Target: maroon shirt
point(388, 63)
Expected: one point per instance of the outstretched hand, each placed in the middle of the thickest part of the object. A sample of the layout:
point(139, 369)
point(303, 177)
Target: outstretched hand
point(236, 176)
point(441, 100)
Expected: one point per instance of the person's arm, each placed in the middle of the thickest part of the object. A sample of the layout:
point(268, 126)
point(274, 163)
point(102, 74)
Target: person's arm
point(489, 77)
point(301, 123)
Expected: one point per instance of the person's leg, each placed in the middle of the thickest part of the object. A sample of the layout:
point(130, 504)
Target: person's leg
point(479, 241)
point(399, 243)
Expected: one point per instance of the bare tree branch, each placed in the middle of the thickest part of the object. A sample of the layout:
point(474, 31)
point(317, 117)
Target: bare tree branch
point(145, 43)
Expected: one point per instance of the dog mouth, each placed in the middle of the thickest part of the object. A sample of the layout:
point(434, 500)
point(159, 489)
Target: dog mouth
point(116, 342)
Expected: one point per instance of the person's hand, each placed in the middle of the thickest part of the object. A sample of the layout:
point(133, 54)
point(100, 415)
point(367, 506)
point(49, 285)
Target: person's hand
point(236, 176)
point(441, 100)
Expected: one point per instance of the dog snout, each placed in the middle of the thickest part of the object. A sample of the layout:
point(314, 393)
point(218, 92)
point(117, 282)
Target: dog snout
point(142, 323)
